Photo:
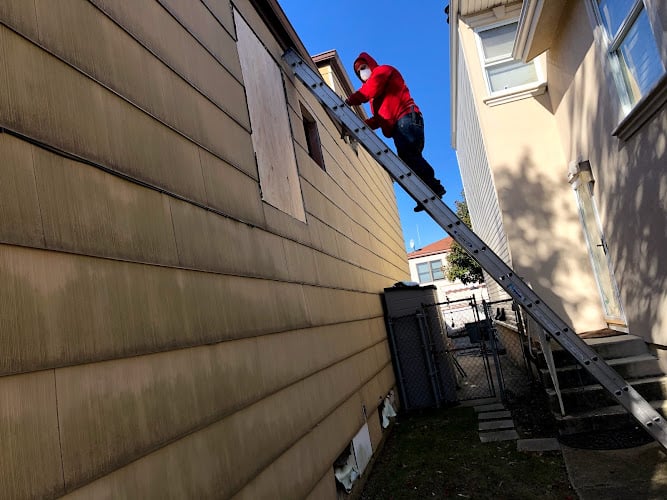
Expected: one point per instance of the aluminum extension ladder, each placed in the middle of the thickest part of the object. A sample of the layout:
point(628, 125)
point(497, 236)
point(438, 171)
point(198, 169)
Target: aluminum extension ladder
point(555, 327)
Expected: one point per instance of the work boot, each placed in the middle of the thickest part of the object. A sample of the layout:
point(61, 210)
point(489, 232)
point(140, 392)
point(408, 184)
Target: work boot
point(439, 191)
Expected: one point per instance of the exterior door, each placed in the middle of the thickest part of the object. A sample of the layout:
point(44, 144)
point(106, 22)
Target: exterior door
point(597, 249)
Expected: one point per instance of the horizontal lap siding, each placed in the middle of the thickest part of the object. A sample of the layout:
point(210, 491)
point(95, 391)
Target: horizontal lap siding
point(298, 428)
point(211, 383)
point(30, 465)
point(169, 329)
point(477, 178)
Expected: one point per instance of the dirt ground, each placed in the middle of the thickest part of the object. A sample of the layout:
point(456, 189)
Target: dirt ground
point(438, 454)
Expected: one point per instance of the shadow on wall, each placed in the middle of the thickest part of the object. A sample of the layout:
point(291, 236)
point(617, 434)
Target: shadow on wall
point(635, 211)
point(631, 195)
point(538, 215)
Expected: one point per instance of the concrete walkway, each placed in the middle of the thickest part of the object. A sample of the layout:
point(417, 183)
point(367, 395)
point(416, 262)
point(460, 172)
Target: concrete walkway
point(632, 473)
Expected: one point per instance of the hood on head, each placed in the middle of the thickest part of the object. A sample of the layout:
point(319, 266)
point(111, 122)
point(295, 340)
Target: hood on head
point(364, 57)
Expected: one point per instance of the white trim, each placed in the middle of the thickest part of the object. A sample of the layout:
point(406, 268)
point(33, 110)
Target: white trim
point(643, 110)
point(525, 33)
point(580, 175)
point(630, 115)
point(516, 94)
point(507, 95)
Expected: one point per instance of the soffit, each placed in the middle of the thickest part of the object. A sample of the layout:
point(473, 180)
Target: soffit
point(471, 7)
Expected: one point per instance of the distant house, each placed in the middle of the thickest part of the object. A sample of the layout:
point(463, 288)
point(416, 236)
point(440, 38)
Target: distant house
point(559, 123)
point(428, 266)
point(192, 258)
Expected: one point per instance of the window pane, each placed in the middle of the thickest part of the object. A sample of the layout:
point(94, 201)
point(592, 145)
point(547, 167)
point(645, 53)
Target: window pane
point(613, 13)
point(639, 57)
point(511, 74)
point(436, 270)
point(423, 272)
point(498, 42)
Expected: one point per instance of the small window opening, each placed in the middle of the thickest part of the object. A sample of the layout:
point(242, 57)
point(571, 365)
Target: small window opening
point(312, 137)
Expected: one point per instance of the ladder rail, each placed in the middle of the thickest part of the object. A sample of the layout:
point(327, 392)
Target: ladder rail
point(521, 292)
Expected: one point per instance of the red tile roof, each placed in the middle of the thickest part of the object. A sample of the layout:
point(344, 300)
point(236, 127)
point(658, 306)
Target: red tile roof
point(439, 246)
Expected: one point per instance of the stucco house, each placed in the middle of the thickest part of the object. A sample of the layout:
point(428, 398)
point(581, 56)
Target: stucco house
point(192, 258)
point(558, 158)
point(560, 128)
point(428, 266)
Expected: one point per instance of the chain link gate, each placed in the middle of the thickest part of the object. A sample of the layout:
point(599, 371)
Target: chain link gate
point(465, 334)
point(425, 376)
point(459, 350)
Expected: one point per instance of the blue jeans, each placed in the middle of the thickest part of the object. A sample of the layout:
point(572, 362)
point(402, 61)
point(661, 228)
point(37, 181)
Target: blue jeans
point(409, 141)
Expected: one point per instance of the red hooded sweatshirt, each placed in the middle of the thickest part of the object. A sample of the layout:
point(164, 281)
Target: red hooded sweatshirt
point(388, 95)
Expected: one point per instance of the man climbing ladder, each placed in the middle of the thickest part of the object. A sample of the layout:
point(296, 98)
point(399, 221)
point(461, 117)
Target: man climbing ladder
point(552, 324)
point(396, 114)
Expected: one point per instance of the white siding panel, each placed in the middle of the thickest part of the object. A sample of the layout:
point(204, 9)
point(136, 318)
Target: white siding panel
point(477, 178)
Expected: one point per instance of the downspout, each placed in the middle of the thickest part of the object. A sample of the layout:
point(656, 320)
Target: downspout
point(453, 66)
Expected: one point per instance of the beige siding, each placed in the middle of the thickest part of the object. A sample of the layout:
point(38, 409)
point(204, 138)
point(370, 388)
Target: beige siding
point(325, 489)
point(30, 465)
point(167, 333)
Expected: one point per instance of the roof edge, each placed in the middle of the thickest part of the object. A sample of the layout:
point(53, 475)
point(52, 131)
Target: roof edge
point(276, 20)
point(337, 64)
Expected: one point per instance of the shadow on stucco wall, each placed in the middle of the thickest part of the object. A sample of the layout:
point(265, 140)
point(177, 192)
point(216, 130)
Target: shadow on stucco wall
point(539, 217)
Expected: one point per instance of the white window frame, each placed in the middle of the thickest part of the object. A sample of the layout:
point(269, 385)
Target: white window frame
point(430, 263)
point(631, 115)
point(531, 89)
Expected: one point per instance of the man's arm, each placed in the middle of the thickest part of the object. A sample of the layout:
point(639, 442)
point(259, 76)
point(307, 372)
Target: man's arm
point(373, 87)
point(373, 122)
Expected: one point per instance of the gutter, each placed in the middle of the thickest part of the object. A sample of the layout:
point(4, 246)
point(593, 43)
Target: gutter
point(453, 67)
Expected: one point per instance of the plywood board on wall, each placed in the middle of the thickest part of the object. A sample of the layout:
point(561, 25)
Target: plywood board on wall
point(271, 136)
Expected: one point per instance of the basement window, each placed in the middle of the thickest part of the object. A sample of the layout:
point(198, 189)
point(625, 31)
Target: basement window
point(312, 137)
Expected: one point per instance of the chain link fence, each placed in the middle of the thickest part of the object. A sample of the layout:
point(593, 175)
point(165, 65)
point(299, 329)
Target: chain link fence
point(466, 337)
point(460, 350)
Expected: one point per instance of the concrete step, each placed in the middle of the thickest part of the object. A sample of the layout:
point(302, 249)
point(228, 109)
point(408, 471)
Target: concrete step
point(594, 396)
point(589, 407)
point(629, 367)
point(606, 418)
point(608, 348)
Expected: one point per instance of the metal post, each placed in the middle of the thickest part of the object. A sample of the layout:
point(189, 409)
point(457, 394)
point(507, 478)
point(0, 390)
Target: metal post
point(401, 381)
point(427, 356)
point(494, 350)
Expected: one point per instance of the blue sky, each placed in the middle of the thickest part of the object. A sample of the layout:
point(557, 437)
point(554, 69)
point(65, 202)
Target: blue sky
point(412, 36)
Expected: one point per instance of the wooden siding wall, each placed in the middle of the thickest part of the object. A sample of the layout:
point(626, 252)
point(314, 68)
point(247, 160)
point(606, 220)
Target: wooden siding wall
point(165, 333)
point(477, 178)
